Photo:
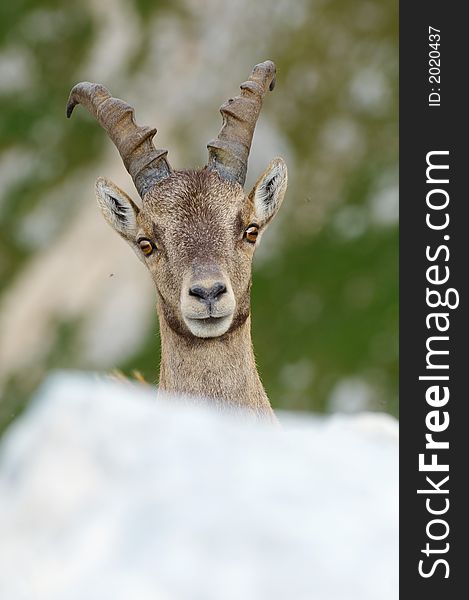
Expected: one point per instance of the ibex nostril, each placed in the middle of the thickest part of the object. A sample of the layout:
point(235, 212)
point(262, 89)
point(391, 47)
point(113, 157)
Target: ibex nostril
point(198, 292)
point(207, 294)
point(217, 290)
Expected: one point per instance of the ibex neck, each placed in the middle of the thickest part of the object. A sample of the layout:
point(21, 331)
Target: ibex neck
point(219, 369)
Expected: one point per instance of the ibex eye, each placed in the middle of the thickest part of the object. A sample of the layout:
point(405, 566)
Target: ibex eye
point(146, 247)
point(251, 233)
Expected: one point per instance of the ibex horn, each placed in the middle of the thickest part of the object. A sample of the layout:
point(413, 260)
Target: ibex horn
point(229, 153)
point(145, 164)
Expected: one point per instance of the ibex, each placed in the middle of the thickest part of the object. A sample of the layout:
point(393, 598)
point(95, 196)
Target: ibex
point(196, 232)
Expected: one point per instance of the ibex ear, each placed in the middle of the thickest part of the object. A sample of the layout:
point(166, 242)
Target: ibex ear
point(267, 195)
point(118, 209)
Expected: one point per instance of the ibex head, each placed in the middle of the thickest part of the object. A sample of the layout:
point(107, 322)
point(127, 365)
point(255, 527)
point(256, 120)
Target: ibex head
point(196, 231)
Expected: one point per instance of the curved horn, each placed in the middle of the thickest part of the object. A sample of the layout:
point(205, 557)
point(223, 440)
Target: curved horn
point(145, 164)
point(228, 154)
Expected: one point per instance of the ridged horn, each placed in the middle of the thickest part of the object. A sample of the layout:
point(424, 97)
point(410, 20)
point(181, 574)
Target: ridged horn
point(145, 164)
point(229, 152)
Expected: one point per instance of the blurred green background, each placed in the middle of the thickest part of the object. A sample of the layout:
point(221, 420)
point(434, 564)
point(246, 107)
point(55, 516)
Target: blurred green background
point(72, 295)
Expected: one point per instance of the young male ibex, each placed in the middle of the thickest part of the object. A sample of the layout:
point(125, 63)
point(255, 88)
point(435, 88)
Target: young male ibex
point(196, 231)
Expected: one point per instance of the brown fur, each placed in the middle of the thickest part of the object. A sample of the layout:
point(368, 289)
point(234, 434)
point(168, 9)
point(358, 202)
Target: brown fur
point(196, 221)
point(201, 219)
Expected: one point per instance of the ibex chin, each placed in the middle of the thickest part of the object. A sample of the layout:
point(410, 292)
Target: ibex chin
point(196, 232)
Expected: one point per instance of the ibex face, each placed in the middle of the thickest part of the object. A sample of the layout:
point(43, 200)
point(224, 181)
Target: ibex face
point(196, 230)
point(197, 233)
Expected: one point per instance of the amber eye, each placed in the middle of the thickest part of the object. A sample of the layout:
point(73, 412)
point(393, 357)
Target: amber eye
point(146, 247)
point(251, 233)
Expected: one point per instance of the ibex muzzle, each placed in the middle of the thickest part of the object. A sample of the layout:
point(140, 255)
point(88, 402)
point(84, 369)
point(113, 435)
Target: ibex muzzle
point(196, 231)
point(207, 302)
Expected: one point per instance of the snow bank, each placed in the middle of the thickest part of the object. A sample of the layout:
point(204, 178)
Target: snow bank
point(108, 494)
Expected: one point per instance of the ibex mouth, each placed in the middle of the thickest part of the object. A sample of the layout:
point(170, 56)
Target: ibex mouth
point(209, 327)
point(208, 320)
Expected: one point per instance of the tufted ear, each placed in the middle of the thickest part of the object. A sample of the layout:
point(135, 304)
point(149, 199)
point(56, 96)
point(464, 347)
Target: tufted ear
point(118, 209)
point(267, 195)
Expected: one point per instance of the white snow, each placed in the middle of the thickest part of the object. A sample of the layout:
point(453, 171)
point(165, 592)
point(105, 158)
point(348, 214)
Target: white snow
point(107, 493)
